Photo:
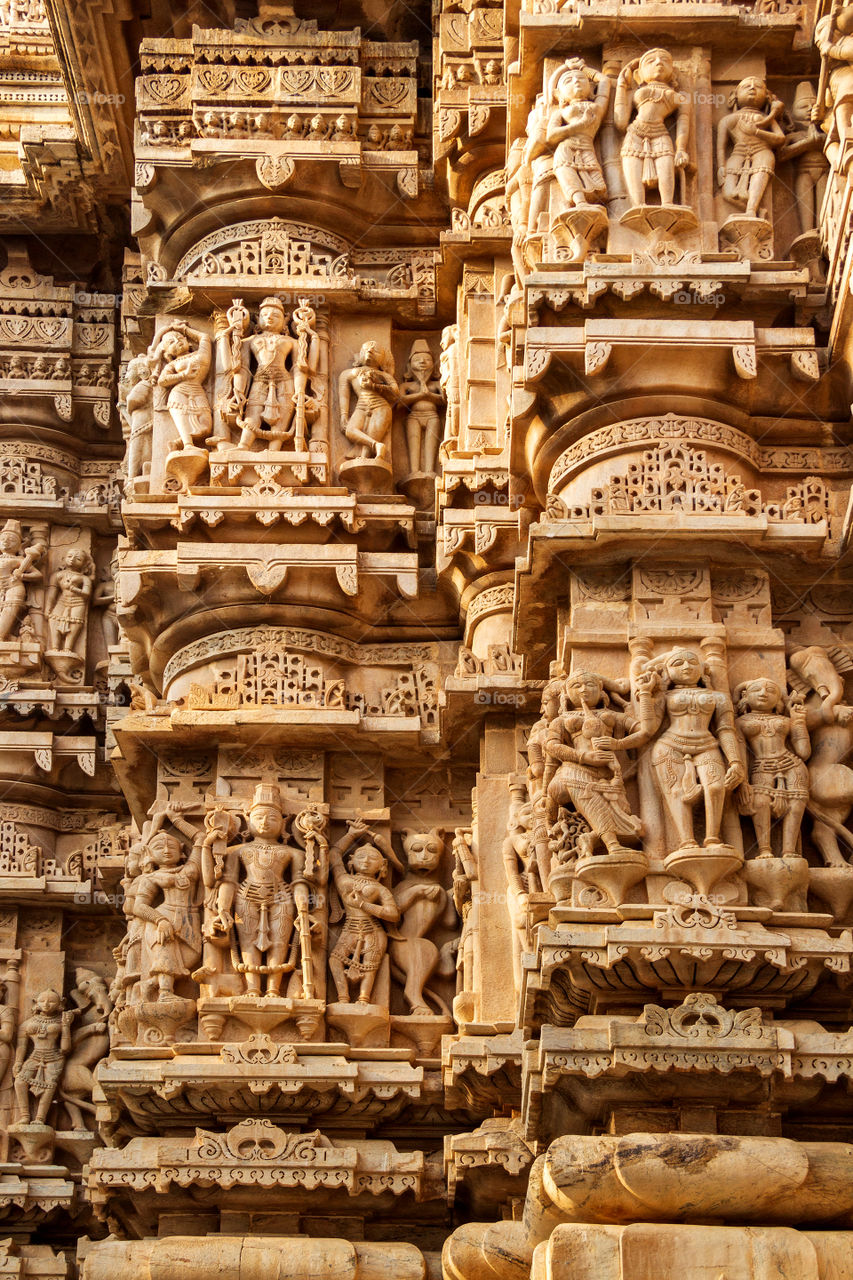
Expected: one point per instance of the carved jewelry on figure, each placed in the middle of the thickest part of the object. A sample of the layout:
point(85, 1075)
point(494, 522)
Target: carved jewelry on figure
point(422, 395)
point(697, 756)
point(267, 375)
point(581, 748)
point(778, 784)
point(367, 903)
point(649, 158)
point(264, 900)
point(754, 134)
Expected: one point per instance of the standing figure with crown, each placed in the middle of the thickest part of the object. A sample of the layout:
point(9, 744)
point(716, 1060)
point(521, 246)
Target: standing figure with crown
point(267, 887)
point(269, 374)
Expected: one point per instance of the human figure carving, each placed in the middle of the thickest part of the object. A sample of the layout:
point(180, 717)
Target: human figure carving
point(584, 739)
point(371, 381)
point(37, 1073)
point(367, 903)
point(221, 826)
point(165, 899)
point(90, 1042)
point(17, 568)
point(575, 116)
point(649, 158)
point(422, 395)
point(260, 906)
point(820, 673)
point(126, 954)
point(754, 133)
point(269, 373)
point(9, 984)
point(520, 869)
point(778, 783)
point(68, 598)
point(804, 145)
point(536, 166)
point(135, 405)
point(181, 355)
point(124, 989)
point(104, 598)
point(423, 903)
point(448, 374)
point(698, 754)
point(834, 38)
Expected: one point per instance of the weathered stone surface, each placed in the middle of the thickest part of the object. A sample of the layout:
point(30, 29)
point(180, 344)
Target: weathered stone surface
point(426, 639)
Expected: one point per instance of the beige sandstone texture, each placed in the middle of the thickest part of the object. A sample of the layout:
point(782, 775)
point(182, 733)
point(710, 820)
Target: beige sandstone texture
point(426, 640)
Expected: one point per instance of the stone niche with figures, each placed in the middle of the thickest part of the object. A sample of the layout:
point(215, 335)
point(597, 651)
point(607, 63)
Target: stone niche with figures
point(269, 896)
point(277, 394)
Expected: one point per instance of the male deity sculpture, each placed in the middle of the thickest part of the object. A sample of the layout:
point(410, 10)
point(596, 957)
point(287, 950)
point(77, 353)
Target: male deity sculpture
point(267, 887)
point(37, 1073)
point(268, 374)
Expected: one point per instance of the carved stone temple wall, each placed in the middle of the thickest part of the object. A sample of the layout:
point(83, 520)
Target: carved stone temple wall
point(426, 640)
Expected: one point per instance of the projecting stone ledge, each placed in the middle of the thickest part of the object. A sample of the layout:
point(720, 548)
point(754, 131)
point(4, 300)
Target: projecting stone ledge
point(246, 1257)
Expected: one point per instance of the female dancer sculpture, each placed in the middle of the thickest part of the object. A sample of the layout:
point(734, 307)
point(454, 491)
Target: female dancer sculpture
point(755, 134)
point(779, 745)
point(371, 380)
point(584, 740)
point(648, 156)
point(689, 759)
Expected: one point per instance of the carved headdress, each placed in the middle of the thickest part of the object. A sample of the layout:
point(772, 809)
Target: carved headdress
point(272, 302)
point(267, 793)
